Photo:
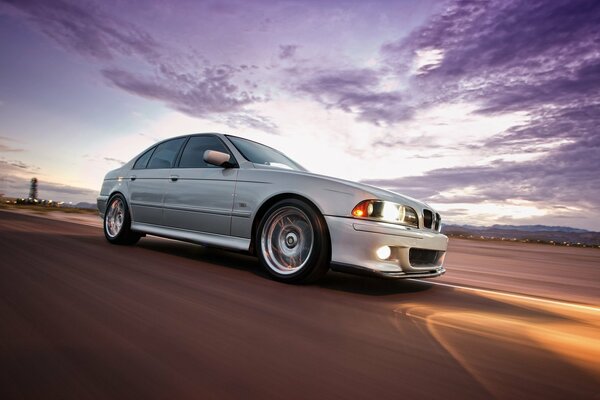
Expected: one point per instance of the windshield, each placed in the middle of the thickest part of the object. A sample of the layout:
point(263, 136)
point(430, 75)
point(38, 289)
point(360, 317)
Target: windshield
point(260, 154)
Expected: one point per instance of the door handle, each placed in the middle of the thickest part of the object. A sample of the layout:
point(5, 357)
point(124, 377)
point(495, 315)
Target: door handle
point(133, 177)
point(174, 178)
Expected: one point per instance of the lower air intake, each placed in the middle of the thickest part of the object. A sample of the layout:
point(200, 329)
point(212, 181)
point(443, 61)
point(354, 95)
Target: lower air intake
point(422, 257)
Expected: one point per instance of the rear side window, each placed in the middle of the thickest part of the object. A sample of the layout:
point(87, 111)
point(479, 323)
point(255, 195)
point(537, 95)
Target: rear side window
point(165, 154)
point(142, 162)
point(193, 154)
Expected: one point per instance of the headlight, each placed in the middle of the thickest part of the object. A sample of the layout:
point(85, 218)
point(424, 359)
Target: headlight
point(386, 211)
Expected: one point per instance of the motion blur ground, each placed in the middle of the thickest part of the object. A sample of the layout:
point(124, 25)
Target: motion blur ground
point(169, 319)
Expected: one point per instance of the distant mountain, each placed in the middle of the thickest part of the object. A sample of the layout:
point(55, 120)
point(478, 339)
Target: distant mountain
point(90, 206)
point(530, 233)
point(538, 228)
point(524, 228)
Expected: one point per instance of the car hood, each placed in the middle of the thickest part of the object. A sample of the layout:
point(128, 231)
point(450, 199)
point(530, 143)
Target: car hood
point(373, 192)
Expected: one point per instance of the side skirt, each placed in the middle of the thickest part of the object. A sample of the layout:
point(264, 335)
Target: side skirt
point(208, 239)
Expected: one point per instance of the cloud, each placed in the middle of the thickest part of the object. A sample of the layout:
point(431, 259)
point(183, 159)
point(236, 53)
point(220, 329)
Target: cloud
point(82, 27)
point(197, 94)
point(17, 165)
point(20, 164)
point(564, 184)
point(252, 121)
point(287, 51)
point(8, 149)
point(534, 57)
point(208, 93)
point(565, 178)
point(355, 91)
point(505, 56)
point(502, 181)
point(509, 55)
point(114, 160)
point(182, 80)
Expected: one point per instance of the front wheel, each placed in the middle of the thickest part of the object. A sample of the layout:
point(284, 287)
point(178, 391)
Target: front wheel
point(292, 242)
point(117, 222)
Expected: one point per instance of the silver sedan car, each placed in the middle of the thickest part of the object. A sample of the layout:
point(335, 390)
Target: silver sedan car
point(229, 192)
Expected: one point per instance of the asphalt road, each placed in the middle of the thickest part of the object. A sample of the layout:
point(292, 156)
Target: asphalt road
point(80, 318)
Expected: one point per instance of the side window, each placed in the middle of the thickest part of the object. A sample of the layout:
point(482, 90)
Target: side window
point(143, 160)
point(165, 153)
point(193, 154)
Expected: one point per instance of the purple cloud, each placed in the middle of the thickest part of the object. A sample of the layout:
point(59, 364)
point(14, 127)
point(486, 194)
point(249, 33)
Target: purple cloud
point(355, 91)
point(182, 81)
point(287, 51)
point(208, 92)
point(504, 55)
point(536, 57)
point(557, 179)
point(85, 29)
point(508, 55)
point(564, 173)
point(197, 94)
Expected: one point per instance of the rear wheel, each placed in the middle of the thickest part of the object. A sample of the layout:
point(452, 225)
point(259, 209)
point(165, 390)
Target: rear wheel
point(117, 222)
point(292, 242)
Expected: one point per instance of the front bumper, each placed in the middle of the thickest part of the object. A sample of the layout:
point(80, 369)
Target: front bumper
point(414, 253)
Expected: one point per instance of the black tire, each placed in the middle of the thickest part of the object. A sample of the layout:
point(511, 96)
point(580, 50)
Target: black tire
point(283, 236)
point(124, 235)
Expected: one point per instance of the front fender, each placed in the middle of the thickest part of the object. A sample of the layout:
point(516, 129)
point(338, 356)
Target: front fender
point(255, 187)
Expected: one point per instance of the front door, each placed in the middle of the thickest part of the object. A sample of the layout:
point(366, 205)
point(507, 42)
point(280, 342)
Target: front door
point(199, 196)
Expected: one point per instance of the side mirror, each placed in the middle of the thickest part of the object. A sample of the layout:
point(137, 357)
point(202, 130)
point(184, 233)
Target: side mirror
point(217, 158)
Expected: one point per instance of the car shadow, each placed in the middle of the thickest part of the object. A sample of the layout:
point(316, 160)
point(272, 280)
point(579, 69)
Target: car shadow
point(225, 258)
point(337, 281)
point(370, 286)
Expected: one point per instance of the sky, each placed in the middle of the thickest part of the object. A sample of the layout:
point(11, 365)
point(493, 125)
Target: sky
point(488, 111)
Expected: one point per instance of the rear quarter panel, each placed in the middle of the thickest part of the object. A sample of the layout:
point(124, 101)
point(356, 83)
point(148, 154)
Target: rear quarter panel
point(114, 181)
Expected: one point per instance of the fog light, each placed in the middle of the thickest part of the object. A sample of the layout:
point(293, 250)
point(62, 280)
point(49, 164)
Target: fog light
point(384, 252)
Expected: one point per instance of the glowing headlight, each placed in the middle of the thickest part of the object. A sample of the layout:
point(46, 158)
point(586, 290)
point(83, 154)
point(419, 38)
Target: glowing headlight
point(386, 211)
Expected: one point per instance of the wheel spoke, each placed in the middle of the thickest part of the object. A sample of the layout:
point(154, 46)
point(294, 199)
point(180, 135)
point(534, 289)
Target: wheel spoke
point(115, 216)
point(287, 240)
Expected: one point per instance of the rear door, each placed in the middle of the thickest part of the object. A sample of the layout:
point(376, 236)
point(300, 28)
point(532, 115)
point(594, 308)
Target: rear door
point(199, 196)
point(148, 180)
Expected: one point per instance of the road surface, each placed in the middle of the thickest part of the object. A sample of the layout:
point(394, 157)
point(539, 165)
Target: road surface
point(80, 318)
